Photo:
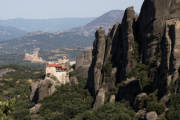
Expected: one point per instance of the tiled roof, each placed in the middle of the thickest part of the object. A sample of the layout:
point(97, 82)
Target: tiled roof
point(57, 66)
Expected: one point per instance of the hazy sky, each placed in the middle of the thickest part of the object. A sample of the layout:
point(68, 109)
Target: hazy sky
point(62, 8)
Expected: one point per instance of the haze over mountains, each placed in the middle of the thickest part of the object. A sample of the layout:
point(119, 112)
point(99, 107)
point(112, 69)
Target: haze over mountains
point(45, 25)
point(7, 33)
point(73, 38)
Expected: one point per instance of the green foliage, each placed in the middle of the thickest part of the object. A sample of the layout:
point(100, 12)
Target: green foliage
point(107, 68)
point(6, 108)
point(141, 73)
point(155, 106)
point(117, 111)
point(16, 85)
point(67, 102)
point(174, 107)
point(152, 104)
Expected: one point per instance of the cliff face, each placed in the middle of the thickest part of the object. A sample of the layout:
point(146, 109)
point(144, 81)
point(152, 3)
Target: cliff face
point(139, 55)
point(83, 63)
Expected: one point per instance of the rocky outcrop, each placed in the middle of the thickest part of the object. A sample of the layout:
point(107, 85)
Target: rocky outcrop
point(35, 109)
point(85, 59)
point(151, 116)
point(106, 62)
point(139, 55)
point(95, 74)
point(43, 88)
point(83, 63)
point(151, 24)
point(100, 99)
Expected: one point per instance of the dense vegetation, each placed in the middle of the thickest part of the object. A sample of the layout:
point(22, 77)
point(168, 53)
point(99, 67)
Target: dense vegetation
point(14, 89)
point(70, 101)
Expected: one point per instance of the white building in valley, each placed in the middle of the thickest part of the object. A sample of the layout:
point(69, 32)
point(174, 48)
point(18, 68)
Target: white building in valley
point(59, 70)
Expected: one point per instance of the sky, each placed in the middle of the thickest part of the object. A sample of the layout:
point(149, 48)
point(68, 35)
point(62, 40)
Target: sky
point(44, 9)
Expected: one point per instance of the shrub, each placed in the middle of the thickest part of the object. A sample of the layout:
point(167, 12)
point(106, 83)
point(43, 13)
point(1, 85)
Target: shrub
point(67, 102)
point(117, 111)
point(154, 106)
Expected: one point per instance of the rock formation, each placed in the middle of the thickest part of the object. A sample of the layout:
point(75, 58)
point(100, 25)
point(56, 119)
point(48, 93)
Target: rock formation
point(139, 55)
point(95, 76)
point(83, 63)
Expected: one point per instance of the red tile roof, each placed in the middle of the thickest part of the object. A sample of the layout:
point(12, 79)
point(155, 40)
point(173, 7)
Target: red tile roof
point(57, 66)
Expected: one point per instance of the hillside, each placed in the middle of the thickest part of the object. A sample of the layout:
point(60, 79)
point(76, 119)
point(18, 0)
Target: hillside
point(133, 74)
point(7, 33)
point(106, 21)
point(74, 38)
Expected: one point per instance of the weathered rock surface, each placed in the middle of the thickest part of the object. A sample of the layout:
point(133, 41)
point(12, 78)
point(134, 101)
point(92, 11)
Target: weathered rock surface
point(35, 109)
point(112, 99)
point(151, 116)
point(34, 87)
point(141, 114)
point(43, 89)
point(151, 24)
point(84, 60)
point(83, 63)
point(95, 77)
point(149, 41)
point(100, 98)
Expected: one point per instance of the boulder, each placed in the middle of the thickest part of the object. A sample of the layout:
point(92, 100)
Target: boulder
point(33, 88)
point(100, 98)
point(112, 99)
point(139, 100)
point(141, 114)
point(35, 109)
point(151, 116)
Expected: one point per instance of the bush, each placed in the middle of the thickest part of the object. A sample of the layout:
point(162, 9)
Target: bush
point(107, 68)
point(117, 111)
point(174, 107)
point(141, 73)
point(154, 106)
point(67, 102)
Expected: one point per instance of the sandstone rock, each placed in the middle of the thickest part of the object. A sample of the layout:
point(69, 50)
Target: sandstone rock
point(141, 114)
point(141, 96)
point(35, 109)
point(124, 44)
point(34, 87)
point(112, 99)
point(151, 40)
point(84, 59)
point(100, 98)
point(44, 89)
point(170, 63)
point(83, 63)
point(151, 23)
point(151, 116)
point(95, 77)
point(139, 100)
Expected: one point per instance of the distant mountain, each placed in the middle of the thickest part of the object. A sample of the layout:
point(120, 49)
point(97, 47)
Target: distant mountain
point(74, 38)
point(106, 21)
point(7, 33)
point(46, 25)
